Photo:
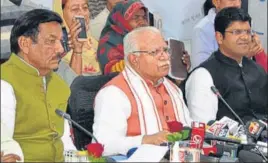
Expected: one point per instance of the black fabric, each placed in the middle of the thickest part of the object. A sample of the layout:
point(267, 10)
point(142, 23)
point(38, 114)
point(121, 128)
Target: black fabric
point(16, 2)
point(244, 88)
point(7, 22)
point(81, 101)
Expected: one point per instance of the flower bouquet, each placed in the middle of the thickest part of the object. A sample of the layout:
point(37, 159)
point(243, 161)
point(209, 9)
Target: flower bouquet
point(179, 150)
point(178, 133)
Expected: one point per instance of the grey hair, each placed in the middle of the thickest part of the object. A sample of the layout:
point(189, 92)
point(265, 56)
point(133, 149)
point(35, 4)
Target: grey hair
point(130, 40)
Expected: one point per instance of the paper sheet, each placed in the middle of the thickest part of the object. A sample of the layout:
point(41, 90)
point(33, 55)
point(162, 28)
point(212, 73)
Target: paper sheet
point(148, 153)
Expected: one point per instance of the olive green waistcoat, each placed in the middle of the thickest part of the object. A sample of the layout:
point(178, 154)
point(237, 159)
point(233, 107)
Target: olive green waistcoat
point(38, 129)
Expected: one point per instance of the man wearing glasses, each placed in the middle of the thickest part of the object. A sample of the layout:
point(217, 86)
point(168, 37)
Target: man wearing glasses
point(204, 42)
point(242, 82)
point(135, 107)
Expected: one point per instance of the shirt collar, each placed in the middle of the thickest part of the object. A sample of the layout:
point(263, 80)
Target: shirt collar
point(37, 71)
point(159, 82)
point(212, 15)
point(105, 10)
point(228, 60)
point(25, 66)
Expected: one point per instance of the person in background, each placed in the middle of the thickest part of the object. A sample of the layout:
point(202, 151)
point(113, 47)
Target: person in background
point(144, 100)
point(204, 42)
point(98, 23)
point(241, 81)
point(96, 6)
point(207, 6)
point(10, 149)
point(126, 16)
point(29, 112)
point(82, 57)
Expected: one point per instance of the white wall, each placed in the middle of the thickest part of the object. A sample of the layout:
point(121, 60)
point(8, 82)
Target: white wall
point(258, 11)
point(179, 17)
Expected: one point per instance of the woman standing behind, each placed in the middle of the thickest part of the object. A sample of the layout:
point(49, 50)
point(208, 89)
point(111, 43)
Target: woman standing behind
point(125, 16)
point(82, 57)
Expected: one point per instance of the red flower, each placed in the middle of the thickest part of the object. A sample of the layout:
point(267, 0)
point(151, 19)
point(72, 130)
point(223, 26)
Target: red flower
point(175, 126)
point(95, 149)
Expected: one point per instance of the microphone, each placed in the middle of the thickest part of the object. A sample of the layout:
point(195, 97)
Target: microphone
point(197, 135)
point(217, 93)
point(230, 123)
point(254, 128)
point(215, 129)
point(209, 136)
point(67, 117)
point(264, 135)
point(247, 156)
point(211, 122)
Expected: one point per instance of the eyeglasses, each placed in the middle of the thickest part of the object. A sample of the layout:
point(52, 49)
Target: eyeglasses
point(238, 32)
point(155, 52)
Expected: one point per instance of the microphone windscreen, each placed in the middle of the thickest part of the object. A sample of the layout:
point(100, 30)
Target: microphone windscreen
point(247, 156)
point(254, 128)
point(214, 89)
point(219, 151)
point(59, 112)
point(211, 122)
point(264, 134)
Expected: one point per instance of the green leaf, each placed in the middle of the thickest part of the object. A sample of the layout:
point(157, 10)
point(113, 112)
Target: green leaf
point(171, 138)
point(185, 134)
point(178, 136)
point(94, 159)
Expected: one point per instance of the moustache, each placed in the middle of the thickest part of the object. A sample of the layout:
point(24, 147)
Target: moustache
point(164, 63)
point(57, 57)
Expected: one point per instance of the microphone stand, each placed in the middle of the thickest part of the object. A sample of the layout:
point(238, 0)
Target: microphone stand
point(266, 160)
point(217, 93)
point(67, 117)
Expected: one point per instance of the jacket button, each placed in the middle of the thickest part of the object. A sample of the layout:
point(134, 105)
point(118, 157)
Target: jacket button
point(165, 102)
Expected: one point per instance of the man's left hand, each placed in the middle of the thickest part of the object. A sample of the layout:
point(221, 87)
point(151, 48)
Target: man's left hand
point(10, 158)
point(255, 46)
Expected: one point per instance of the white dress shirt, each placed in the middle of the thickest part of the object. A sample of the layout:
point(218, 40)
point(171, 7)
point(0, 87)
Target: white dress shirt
point(109, 130)
point(98, 23)
point(8, 114)
point(203, 39)
point(8, 145)
point(202, 102)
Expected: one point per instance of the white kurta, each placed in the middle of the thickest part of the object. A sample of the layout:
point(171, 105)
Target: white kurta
point(113, 109)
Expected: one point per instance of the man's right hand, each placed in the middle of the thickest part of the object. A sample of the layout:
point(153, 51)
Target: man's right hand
point(9, 158)
point(156, 139)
